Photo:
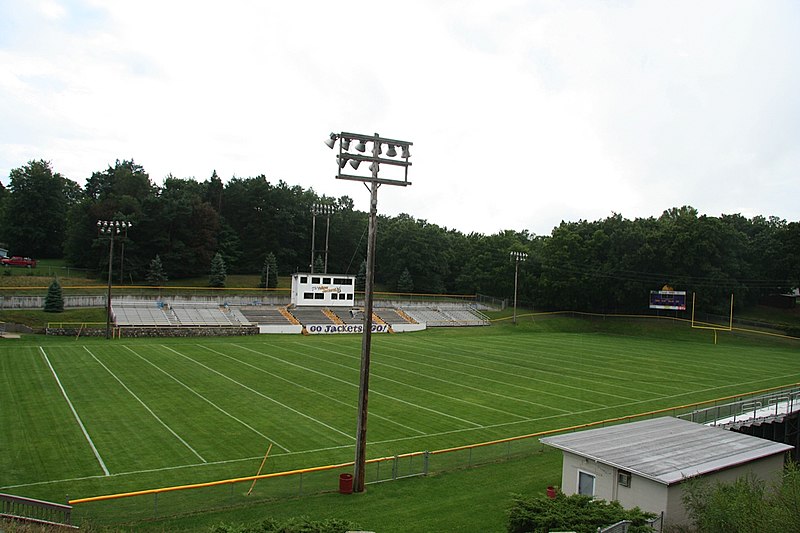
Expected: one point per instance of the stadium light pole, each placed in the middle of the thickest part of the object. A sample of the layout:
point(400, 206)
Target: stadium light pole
point(372, 182)
point(110, 229)
point(517, 257)
point(316, 210)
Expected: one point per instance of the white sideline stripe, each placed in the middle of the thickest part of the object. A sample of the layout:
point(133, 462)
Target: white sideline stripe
point(309, 389)
point(75, 414)
point(377, 393)
point(212, 404)
point(145, 406)
point(292, 409)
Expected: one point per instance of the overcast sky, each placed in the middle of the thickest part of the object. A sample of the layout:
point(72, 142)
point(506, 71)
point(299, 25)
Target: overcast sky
point(522, 113)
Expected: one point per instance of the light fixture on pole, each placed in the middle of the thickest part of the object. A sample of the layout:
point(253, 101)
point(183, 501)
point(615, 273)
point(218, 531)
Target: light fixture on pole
point(366, 340)
point(316, 210)
point(517, 257)
point(111, 229)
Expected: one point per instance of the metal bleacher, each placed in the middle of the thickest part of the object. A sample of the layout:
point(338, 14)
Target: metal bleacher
point(310, 315)
point(390, 315)
point(158, 314)
point(265, 315)
point(441, 316)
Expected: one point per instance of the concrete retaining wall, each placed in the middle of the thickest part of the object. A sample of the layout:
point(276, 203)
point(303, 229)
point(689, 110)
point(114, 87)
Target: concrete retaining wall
point(158, 332)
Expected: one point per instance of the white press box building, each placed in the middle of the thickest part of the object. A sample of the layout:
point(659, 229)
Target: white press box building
point(324, 290)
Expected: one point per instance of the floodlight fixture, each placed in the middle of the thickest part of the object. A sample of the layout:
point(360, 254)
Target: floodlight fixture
point(331, 141)
point(406, 153)
point(345, 143)
point(342, 160)
point(374, 167)
point(391, 152)
point(361, 146)
point(354, 163)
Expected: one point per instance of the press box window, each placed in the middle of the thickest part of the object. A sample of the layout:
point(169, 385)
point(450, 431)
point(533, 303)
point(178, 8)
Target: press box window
point(319, 295)
point(308, 295)
point(315, 280)
point(303, 279)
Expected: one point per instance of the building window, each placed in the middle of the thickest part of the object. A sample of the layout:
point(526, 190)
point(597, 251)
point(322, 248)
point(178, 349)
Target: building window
point(319, 295)
point(342, 281)
point(334, 296)
point(315, 280)
point(326, 281)
point(624, 478)
point(349, 296)
point(303, 279)
point(308, 295)
point(585, 483)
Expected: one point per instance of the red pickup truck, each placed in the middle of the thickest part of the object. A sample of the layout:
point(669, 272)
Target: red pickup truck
point(18, 261)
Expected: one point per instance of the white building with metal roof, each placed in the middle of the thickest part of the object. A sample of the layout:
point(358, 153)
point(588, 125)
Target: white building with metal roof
point(643, 463)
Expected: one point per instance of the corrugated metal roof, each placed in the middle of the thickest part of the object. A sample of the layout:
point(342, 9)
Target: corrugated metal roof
point(666, 449)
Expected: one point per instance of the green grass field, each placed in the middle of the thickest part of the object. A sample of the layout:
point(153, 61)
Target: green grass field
point(84, 417)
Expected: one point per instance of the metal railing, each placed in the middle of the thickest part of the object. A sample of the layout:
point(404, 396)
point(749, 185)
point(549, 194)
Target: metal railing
point(35, 511)
point(748, 408)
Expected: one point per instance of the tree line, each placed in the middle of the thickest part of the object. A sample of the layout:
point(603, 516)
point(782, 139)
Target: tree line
point(603, 265)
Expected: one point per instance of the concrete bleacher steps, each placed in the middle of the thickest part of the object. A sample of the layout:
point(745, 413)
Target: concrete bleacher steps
point(280, 319)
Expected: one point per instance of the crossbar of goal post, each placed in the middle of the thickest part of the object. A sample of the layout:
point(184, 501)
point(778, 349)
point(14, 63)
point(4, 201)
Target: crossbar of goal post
point(712, 326)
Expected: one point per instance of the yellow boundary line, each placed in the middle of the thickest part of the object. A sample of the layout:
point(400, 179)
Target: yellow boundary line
point(415, 454)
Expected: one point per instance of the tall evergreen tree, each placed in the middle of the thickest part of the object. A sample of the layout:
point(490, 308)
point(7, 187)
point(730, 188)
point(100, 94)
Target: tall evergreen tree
point(405, 283)
point(54, 301)
point(155, 273)
point(361, 277)
point(269, 272)
point(218, 273)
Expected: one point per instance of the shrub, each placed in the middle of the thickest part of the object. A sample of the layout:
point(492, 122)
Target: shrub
point(293, 525)
point(578, 513)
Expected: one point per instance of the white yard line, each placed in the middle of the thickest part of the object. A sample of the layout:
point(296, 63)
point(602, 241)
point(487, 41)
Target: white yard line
point(522, 367)
point(452, 383)
point(75, 414)
point(377, 393)
point(309, 389)
point(212, 404)
point(490, 380)
point(281, 404)
point(146, 406)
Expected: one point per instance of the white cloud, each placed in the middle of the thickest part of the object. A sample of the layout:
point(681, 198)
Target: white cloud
point(522, 114)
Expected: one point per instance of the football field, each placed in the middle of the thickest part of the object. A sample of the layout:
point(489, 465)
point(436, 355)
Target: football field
point(89, 416)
